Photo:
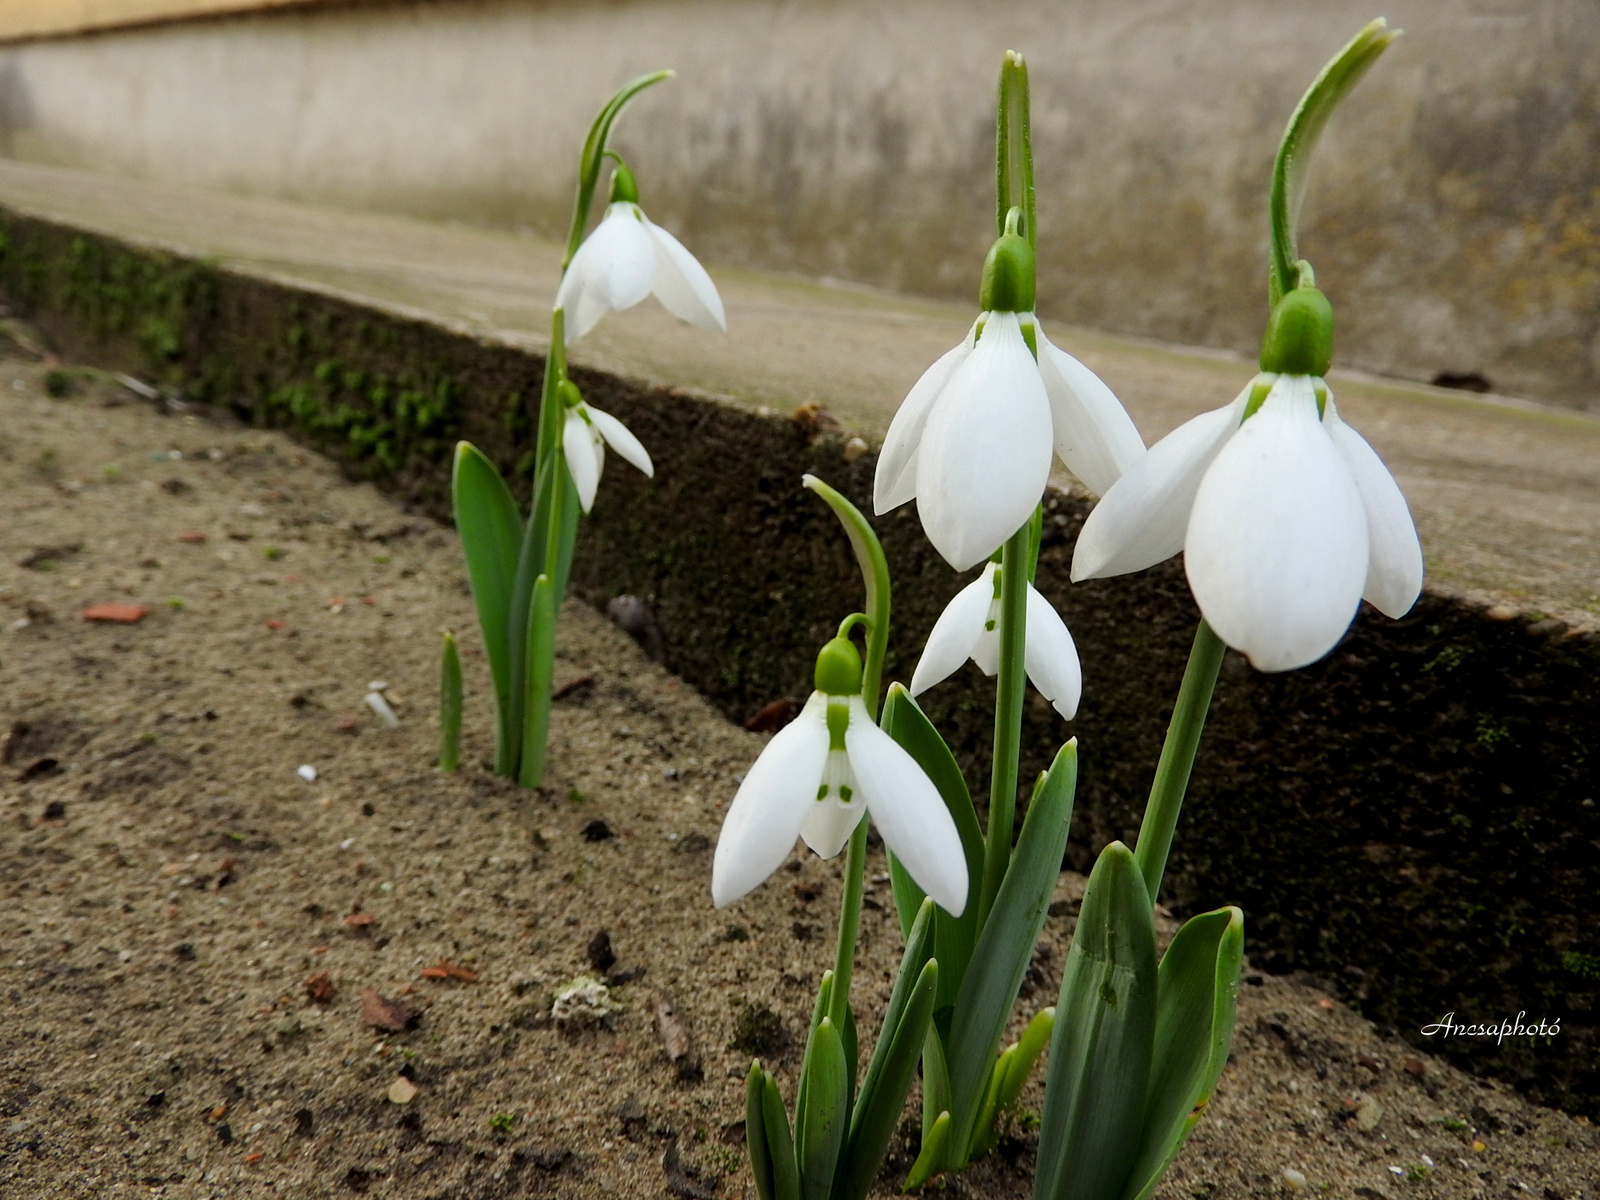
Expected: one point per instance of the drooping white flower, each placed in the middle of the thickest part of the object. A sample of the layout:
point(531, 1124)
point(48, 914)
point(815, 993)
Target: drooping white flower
point(817, 778)
point(969, 627)
point(624, 260)
point(972, 441)
point(1287, 519)
point(585, 433)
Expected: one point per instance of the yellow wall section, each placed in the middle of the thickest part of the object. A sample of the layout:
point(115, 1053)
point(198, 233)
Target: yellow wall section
point(21, 20)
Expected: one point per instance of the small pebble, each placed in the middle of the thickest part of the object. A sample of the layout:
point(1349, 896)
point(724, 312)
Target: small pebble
point(347, 843)
point(380, 706)
point(307, 772)
point(402, 1091)
point(1292, 1179)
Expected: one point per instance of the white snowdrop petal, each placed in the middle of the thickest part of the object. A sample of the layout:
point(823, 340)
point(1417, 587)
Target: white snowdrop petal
point(829, 825)
point(984, 458)
point(1142, 518)
point(772, 803)
point(1094, 435)
point(1051, 657)
point(584, 314)
point(1277, 547)
point(621, 268)
point(682, 284)
point(896, 479)
point(987, 652)
point(909, 812)
point(955, 633)
point(1394, 571)
point(577, 442)
point(620, 438)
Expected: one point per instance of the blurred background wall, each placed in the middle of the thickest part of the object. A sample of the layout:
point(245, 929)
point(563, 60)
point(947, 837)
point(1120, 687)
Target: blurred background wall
point(1455, 220)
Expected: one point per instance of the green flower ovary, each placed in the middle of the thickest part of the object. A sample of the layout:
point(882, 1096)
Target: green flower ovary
point(1299, 337)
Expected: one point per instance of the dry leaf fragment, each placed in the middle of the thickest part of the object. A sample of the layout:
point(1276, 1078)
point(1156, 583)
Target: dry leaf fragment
point(382, 1013)
point(360, 920)
point(445, 969)
point(676, 1039)
point(319, 988)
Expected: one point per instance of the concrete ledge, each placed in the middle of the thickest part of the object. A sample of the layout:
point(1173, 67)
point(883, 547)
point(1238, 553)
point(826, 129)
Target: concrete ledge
point(1413, 820)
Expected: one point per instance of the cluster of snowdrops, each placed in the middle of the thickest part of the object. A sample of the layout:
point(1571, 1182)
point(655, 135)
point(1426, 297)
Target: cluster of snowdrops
point(1287, 521)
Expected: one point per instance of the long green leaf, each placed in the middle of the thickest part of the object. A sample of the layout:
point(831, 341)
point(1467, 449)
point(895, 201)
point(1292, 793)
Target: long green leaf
point(780, 1142)
point(822, 1113)
point(491, 531)
point(541, 653)
point(877, 1113)
point(1197, 987)
point(953, 937)
point(874, 577)
point(755, 1132)
point(594, 148)
point(935, 1085)
point(931, 1161)
point(1292, 170)
point(1005, 946)
point(1099, 1075)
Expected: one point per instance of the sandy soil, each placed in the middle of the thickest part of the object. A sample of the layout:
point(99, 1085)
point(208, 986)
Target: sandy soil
point(189, 926)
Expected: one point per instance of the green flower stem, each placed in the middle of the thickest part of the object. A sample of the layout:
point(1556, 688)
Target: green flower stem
point(1014, 572)
point(1177, 757)
point(844, 951)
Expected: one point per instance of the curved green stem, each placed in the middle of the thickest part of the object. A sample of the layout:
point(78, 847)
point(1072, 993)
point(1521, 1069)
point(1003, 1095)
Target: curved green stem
point(594, 151)
point(1177, 757)
point(1015, 570)
point(1014, 148)
point(1292, 170)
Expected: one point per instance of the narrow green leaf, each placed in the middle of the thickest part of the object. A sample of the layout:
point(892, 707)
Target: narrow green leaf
point(935, 1082)
point(822, 1113)
point(820, 1010)
point(931, 1161)
point(983, 1134)
point(874, 577)
point(540, 657)
point(1197, 989)
point(1030, 1045)
point(594, 148)
point(1292, 170)
point(491, 530)
point(755, 1132)
point(953, 937)
point(1005, 947)
point(919, 943)
point(449, 704)
point(1099, 1073)
point(878, 1110)
point(780, 1142)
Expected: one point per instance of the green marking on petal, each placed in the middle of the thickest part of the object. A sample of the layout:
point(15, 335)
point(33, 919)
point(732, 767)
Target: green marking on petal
point(838, 722)
point(822, 792)
point(845, 792)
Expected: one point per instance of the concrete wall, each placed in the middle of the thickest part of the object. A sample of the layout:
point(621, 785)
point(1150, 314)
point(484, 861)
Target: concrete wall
point(1455, 219)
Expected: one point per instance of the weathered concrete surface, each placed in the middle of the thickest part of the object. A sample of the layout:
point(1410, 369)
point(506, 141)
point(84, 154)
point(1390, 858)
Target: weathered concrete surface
point(1454, 220)
point(1507, 497)
point(1414, 818)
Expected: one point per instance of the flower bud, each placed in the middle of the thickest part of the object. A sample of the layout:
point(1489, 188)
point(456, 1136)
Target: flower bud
point(623, 186)
point(1008, 282)
point(839, 668)
point(1299, 337)
point(569, 395)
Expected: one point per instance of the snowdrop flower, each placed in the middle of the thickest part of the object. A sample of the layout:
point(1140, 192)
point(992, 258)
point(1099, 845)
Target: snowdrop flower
point(972, 441)
point(625, 259)
point(1286, 516)
point(818, 776)
point(969, 627)
point(585, 434)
